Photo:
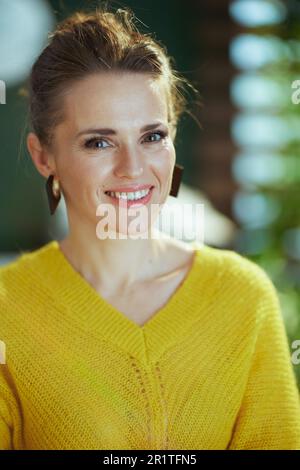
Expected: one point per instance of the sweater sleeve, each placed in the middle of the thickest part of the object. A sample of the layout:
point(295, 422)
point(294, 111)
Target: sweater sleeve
point(10, 423)
point(10, 414)
point(7, 411)
point(269, 414)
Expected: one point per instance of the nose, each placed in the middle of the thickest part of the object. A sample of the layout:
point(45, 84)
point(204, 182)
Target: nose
point(129, 164)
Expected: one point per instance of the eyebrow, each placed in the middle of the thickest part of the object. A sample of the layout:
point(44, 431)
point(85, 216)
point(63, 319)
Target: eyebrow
point(107, 131)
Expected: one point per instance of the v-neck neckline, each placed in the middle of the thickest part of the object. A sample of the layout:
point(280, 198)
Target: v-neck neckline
point(96, 316)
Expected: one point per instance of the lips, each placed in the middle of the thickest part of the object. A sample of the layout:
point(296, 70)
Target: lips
point(131, 202)
point(130, 189)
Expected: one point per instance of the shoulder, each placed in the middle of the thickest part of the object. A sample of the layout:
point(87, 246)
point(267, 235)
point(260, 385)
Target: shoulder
point(238, 267)
point(239, 281)
point(13, 271)
point(19, 279)
point(248, 274)
point(243, 299)
point(25, 260)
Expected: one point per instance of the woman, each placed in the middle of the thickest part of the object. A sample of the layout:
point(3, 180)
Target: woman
point(133, 342)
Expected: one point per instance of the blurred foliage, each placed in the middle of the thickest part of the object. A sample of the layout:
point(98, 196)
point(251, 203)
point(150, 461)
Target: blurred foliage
point(279, 257)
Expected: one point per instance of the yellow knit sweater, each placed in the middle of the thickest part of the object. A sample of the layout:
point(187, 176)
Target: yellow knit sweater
point(210, 370)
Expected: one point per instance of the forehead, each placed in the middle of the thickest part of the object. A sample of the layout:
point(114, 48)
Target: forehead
point(121, 99)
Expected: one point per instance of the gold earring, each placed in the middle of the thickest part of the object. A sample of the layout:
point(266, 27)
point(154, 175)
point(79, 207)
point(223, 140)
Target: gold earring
point(56, 187)
point(53, 193)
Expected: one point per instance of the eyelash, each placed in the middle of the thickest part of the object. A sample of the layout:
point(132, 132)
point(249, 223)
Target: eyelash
point(89, 142)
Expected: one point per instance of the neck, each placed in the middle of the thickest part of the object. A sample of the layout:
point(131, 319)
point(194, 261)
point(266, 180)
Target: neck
point(114, 264)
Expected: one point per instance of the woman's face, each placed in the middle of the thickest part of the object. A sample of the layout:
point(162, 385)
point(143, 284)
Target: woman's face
point(90, 161)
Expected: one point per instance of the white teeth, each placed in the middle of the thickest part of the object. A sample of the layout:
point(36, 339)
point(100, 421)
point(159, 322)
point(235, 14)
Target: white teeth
point(130, 196)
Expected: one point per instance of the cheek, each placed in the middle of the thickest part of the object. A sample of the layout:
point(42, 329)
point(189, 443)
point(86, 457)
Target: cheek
point(166, 162)
point(80, 183)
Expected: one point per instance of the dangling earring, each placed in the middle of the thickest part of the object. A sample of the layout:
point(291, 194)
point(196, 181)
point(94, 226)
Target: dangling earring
point(176, 180)
point(53, 193)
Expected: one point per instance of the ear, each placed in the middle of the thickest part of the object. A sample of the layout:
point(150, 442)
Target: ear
point(42, 158)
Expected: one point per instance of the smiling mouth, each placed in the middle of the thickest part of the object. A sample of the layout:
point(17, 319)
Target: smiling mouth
point(130, 195)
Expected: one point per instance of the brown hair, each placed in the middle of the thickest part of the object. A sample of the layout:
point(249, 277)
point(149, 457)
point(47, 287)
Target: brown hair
point(91, 42)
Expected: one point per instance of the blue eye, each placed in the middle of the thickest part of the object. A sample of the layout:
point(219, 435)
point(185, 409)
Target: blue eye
point(90, 143)
point(162, 134)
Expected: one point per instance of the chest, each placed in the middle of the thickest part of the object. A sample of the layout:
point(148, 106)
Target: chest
point(100, 398)
point(143, 302)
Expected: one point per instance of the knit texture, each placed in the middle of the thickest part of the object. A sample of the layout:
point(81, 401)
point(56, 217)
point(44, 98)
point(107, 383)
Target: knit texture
point(210, 370)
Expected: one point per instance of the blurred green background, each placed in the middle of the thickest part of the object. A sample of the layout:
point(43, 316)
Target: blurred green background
point(244, 57)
